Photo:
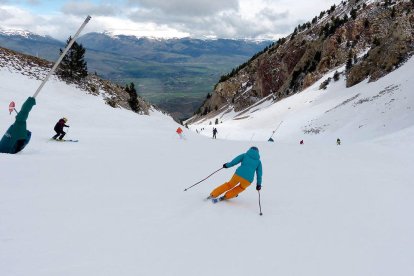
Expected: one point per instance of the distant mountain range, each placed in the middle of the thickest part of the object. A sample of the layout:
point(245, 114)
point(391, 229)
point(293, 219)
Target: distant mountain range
point(32, 44)
point(175, 74)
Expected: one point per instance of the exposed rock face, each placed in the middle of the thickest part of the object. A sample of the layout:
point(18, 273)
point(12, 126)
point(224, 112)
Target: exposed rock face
point(393, 44)
point(371, 37)
point(114, 94)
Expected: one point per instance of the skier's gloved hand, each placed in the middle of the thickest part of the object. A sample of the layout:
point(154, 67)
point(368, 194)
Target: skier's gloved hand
point(258, 187)
point(225, 166)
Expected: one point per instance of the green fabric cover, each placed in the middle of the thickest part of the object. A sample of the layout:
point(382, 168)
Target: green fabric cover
point(17, 136)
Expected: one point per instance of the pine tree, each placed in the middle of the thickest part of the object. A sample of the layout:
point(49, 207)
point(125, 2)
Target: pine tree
point(393, 12)
point(348, 65)
point(336, 76)
point(353, 13)
point(73, 66)
point(376, 41)
point(366, 23)
point(133, 98)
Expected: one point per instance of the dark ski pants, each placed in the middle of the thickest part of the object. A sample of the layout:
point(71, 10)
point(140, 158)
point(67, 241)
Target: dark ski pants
point(61, 134)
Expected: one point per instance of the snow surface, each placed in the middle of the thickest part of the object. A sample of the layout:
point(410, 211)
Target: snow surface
point(113, 204)
point(356, 114)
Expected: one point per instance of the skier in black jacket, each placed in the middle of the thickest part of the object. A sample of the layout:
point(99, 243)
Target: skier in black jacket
point(59, 129)
point(214, 133)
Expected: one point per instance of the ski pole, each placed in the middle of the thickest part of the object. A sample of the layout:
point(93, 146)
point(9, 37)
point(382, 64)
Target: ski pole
point(260, 206)
point(201, 180)
point(276, 129)
point(62, 56)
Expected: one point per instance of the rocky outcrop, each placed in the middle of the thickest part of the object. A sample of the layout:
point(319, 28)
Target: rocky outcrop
point(371, 37)
point(391, 45)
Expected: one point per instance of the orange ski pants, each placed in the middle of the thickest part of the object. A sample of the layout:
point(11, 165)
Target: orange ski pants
point(235, 186)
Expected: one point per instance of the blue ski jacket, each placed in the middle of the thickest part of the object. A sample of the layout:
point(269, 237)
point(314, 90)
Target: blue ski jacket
point(250, 163)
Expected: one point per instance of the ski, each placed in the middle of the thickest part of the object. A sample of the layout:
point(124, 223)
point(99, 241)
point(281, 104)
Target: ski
point(208, 198)
point(70, 140)
point(64, 140)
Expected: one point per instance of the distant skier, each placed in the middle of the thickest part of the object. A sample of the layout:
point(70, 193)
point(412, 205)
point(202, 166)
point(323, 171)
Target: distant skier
point(214, 133)
point(301, 142)
point(180, 132)
point(59, 129)
point(338, 141)
point(242, 178)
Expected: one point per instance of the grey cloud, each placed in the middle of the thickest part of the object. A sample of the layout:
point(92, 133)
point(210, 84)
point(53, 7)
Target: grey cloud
point(210, 18)
point(272, 15)
point(58, 29)
point(82, 8)
point(200, 18)
point(4, 15)
point(229, 24)
point(188, 7)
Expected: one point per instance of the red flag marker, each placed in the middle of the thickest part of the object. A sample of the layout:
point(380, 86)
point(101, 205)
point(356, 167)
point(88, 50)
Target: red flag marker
point(12, 105)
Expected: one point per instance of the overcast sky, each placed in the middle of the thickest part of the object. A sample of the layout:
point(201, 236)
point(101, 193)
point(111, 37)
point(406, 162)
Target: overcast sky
point(253, 19)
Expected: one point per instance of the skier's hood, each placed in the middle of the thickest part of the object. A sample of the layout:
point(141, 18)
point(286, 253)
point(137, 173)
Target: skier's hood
point(253, 152)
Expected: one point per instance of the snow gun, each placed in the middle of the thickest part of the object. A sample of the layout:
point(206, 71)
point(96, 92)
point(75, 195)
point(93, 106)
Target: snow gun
point(17, 136)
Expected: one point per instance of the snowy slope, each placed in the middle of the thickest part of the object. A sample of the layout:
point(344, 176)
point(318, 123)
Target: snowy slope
point(113, 204)
point(359, 113)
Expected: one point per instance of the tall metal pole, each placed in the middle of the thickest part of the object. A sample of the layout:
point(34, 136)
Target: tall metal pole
point(62, 56)
point(276, 129)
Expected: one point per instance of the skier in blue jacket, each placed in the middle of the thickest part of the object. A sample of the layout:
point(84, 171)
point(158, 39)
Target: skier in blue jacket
point(243, 177)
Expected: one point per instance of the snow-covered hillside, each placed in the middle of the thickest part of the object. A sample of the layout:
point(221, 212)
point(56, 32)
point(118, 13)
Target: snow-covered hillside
point(113, 204)
point(359, 113)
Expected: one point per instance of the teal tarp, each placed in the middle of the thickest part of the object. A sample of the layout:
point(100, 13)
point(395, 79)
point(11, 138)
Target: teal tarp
point(17, 136)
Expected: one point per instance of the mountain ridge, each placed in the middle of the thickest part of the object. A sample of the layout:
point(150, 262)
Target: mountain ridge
point(371, 37)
